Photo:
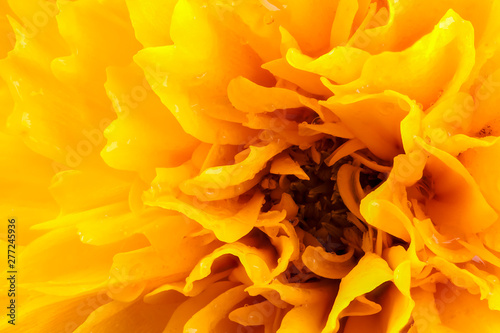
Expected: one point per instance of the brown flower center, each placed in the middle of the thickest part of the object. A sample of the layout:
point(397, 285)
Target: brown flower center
point(321, 211)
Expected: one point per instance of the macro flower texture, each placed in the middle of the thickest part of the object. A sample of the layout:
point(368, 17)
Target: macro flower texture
point(251, 166)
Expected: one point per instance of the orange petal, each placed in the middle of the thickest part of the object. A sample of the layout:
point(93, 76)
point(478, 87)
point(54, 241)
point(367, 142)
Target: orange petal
point(328, 265)
point(457, 202)
point(205, 320)
point(285, 165)
point(370, 272)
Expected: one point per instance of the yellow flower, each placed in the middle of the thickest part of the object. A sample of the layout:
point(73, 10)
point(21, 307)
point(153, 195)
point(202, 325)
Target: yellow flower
point(250, 166)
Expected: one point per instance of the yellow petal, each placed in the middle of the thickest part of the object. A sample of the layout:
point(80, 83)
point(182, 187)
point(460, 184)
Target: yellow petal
point(306, 80)
point(370, 272)
point(205, 320)
point(333, 129)
point(342, 24)
point(134, 316)
point(341, 65)
point(293, 293)
point(49, 313)
point(249, 97)
point(25, 195)
point(307, 318)
point(151, 21)
point(69, 277)
point(205, 113)
point(216, 178)
point(228, 226)
point(144, 126)
point(307, 22)
point(408, 22)
point(412, 71)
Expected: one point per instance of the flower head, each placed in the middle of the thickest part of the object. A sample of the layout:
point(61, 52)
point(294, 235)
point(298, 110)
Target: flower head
point(253, 166)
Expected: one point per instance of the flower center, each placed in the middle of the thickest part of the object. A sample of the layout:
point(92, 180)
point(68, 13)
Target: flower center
point(319, 208)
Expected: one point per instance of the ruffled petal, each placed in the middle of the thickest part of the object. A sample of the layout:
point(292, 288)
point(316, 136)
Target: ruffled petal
point(411, 72)
point(374, 119)
point(217, 178)
point(144, 126)
point(370, 272)
point(326, 264)
point(457, 202)
point(204, 113)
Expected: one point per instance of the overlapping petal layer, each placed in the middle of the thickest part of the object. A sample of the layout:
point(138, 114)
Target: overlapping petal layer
point(263, 166)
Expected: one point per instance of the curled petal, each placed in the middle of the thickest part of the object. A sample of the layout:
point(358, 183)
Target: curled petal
point(446, 248)
point(361, 306)
point(250, 97)
point(123, 316)
point(228, 226)
point(196, 92)
point(491, 236)
point(374, 119)
point(464, 279)
point(205, 320)
point(68, 277)
point(288, 205)
point(348, 183)
point(344, 150)
point(56, 313)
point(328, 265)
point(342, 24)
point(341, 65)
point(307, 22)
point(411, 72)
point(191, 306)
point(258, 263)
point(144, 126)
point(370, 272)
point(294, 293)
point(151, 21)
point(30, 198)
point(457, 306)
point(308, 81)
point(216, 178)
point(483, 164)
point(191, 290)
point(285, 165)
point(474, 245)
point(308, 318)
point(403, 23)
point(333, 129)
point(254, 314)
point(385, 216)
point(457, 202)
